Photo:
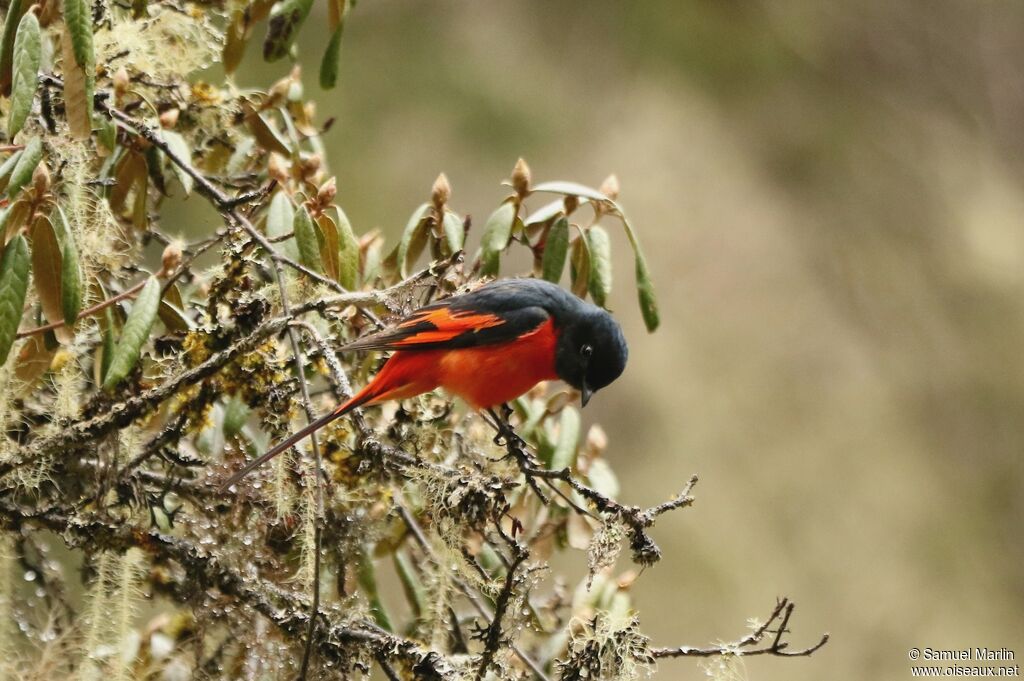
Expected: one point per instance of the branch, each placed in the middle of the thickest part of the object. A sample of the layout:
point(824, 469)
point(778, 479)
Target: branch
point(289, 612)
point(748, 645)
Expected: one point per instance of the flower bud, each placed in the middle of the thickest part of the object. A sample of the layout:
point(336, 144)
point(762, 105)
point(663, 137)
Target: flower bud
point(610, 186)
point(171, 259)
point(277, 168)
point(121, 82)
point(41, 179)
point(571, 203)
point(441, 192)
point(169, 118)
point(328, 190)
point(521, 178)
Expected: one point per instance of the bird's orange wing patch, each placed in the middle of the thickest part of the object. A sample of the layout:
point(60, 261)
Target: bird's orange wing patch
point(444, 324)
point(436, 327)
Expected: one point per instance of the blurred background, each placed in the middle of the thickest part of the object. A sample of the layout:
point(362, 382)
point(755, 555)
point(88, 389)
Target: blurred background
point(831, 198)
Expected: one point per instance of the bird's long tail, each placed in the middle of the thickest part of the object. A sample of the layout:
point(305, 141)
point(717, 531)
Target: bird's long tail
point(359, 399)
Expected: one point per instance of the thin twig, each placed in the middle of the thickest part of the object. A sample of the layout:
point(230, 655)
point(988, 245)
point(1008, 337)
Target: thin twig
point(747, 645)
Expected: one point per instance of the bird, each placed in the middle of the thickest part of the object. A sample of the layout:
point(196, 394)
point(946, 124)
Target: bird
point(487, 346)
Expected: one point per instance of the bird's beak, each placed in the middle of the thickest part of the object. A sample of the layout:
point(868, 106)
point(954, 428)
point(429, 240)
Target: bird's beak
point(585, 394)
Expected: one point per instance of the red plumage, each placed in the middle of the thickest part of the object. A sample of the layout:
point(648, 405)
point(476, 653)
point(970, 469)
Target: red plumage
point(487, 347)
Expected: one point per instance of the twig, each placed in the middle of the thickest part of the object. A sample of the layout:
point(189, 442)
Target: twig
point(492, 638)
point(207, 570)
point(747, 645)
point(87, 312)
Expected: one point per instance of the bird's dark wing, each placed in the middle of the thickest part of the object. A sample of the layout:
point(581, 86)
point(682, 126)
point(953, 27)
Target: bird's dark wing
point(461, 321)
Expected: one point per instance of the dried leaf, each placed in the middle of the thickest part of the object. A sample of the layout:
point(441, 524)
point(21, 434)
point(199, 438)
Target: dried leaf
point(34, 358)
point(27, 56)
point(496, 234)
point(179, 147)
point(79, 83)
point(236, 38)
point(579, 267)
point(14, 269)
point(286, 18)
point(14, 218)
point(556, 246)
point(600, 264)
point(172, 313)
point(414, 238)
point(307, 240)
point(134, 334)
point(47, 266)
point(15, 12)
point(330, 245)
point(266, 134)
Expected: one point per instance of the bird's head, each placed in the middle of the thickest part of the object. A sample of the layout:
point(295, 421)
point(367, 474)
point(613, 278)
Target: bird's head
point(591, 351)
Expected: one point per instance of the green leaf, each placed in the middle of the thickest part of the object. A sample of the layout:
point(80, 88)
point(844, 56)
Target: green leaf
point(412, 587)
point(107, 134)
point(571, 189)
point(645, 291)
point(30, 157)
point(14, 269)
point(555, 248)
point(78, 19)
point(306, 238)
point(280, 218)
point(71, 269)
point(367, 576)
point(179, 147)
point(15, 12)
point(8, 167)
point(496, 233)
point(134, 334)
point(27, 56)
point(236, 413)
point(454, 231)
point(414, 238)
point(602, 478)
point(108, 345)
point(545, 213)
point(330, 62)
point(286, 18)
point(348, 255)
point(600, 264)
point(568, 440)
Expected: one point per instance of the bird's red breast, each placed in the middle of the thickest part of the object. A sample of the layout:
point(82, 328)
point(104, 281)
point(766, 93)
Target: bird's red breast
point(484, 376)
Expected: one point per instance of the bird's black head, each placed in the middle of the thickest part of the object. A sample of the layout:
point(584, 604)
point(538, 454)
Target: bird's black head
point(591, 351)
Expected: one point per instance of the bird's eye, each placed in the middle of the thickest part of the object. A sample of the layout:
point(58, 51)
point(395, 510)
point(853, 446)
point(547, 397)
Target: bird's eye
point(586, 350)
